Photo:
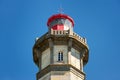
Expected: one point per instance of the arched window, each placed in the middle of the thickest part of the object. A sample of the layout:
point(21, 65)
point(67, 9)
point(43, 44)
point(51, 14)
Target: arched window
point(60, 56)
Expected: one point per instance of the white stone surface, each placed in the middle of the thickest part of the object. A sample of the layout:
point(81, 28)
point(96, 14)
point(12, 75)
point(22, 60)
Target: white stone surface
point(75, 58)
point(45, 58)
point(60, 75)
point(74, 77)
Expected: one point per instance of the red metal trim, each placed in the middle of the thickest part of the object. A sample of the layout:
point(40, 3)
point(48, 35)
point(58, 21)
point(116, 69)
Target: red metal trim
point(59, 16)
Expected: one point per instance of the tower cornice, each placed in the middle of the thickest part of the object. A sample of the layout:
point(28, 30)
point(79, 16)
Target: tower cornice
point(61, 67)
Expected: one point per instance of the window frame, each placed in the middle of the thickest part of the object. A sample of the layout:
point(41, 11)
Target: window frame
point(60, 56)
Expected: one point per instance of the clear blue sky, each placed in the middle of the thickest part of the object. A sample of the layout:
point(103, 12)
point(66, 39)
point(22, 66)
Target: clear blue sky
point(21, 21)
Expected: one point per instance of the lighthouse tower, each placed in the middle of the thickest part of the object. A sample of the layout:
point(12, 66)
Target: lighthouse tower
point(60, 54)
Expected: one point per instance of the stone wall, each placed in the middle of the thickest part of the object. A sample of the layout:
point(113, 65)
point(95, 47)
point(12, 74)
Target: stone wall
point(57, 49)
point(45, 58)
point(61, 75)
point(75, 58)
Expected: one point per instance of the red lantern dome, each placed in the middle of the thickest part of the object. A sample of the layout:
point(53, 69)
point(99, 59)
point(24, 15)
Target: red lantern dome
point(60, 22)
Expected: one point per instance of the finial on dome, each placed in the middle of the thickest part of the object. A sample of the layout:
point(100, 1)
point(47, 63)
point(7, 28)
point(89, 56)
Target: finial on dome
point(60, 10)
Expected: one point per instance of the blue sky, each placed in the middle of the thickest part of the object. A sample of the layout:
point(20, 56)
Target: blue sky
point(21, 21)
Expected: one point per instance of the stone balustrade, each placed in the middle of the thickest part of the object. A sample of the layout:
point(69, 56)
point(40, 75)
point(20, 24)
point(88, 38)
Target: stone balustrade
point(82, 39)
point(59, 32)
point(64, 32)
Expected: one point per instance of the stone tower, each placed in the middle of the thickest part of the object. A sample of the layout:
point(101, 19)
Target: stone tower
point(60, 54)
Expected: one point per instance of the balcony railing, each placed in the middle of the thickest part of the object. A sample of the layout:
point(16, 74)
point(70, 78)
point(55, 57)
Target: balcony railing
point(82, 39)
point(64, 32)
point(59, 32)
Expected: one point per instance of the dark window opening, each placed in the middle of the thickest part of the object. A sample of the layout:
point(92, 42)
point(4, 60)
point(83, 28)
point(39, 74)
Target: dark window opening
point(60, 56)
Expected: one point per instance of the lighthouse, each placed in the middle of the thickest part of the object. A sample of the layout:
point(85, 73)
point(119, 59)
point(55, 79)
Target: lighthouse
point(60, 53)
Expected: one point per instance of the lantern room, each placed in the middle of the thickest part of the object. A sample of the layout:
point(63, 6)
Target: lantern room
point(60, 22)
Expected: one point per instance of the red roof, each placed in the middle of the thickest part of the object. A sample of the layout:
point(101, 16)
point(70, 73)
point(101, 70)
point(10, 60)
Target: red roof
point(59, 16)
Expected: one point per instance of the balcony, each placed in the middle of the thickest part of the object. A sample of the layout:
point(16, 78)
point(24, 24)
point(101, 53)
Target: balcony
point(66, 32)
point(63, 33)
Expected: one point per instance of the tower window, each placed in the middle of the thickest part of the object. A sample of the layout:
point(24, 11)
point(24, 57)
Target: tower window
point(60, 56)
